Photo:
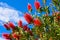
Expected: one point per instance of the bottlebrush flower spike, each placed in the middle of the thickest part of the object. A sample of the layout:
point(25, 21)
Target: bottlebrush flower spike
point(31, 33)
point(11, 25)
point(14, 35)
point(37, 22)
point(6, 26)
point(28, 17)
point(25, 28)
point(36, 39)
point(20, 23)
point(29, 7)
point(37, 4)
point(7, 36)
point(58, 16)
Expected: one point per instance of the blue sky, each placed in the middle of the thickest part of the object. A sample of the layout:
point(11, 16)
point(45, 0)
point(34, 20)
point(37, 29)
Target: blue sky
point(18, 7)
point(21, 4)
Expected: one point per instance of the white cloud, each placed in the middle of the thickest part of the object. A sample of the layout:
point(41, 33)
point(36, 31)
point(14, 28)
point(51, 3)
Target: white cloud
point(5, 5)
point(2, 38)
point(8, 13)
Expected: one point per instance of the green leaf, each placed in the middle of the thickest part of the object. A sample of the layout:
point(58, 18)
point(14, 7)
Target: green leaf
point(44, 1)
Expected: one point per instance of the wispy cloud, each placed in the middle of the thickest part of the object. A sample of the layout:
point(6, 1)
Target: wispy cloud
point(8, 13)
point(5, 5)
point(2, 38)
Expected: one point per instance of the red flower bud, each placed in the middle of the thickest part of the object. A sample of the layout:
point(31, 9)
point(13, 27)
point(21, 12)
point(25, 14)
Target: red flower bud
point(11, 25)
point(20, 23)
point(15, 35)
point(58, 17)
point(28, 17)
point(29, 7)
point(37, 4)
point(37, 22)
point(31, 33)
point(7, 36)
point(36, 39)
point(6, 26)
point(25, 28)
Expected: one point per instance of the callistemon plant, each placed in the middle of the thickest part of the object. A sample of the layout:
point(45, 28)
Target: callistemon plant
point(45, 27)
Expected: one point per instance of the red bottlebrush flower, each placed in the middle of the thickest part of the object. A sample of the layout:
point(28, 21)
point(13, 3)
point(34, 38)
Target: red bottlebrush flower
point(7, 36)
point(14, 35)
point(6, 26)
point(58, 17)
point(29, 7)
point(25, 28)
point(37, 22)
point(31, 33)
point(20, 23)
point(11, 25)
point(36, 39)
point(37, 4)
point(28, 18)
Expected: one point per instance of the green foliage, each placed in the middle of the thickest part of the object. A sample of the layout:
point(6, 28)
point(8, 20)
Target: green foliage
point(50, 27)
